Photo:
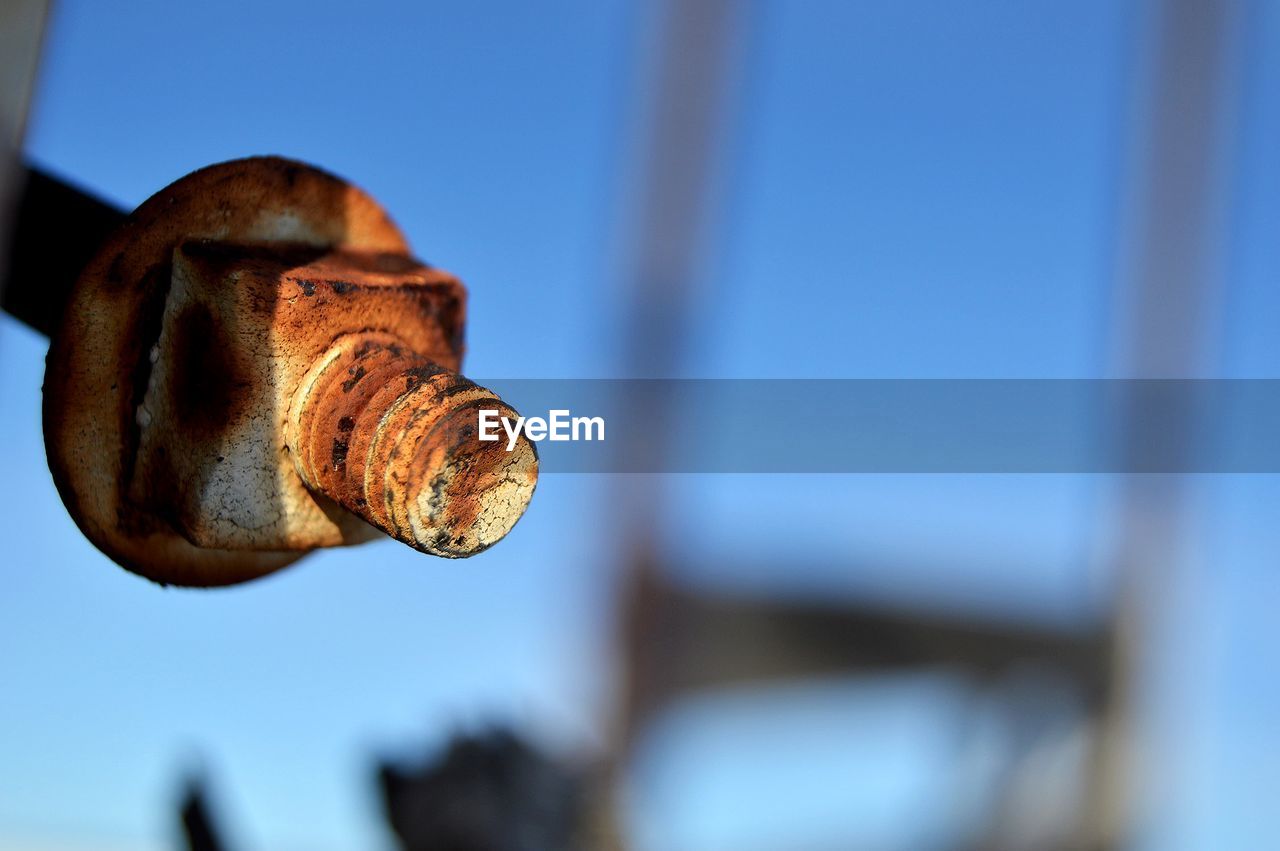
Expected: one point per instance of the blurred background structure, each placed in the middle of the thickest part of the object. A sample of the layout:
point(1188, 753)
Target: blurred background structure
point(720, 188)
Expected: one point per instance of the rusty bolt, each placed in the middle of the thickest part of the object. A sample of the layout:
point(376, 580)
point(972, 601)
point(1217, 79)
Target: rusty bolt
point(391, 436)
point(254, 366)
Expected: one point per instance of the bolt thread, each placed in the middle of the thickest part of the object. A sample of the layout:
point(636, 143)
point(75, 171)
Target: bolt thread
point(393, 438)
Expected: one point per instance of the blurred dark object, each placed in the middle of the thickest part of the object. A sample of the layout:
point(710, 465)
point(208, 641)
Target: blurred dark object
point(487, 792)
point(683, 640)
point(197, 822)
point(56, 229)
point(22, 24)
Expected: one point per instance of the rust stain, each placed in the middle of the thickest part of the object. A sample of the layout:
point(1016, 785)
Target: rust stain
point(208, 384)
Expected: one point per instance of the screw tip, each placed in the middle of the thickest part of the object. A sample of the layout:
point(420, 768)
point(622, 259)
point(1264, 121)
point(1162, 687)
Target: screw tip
point(473, 491)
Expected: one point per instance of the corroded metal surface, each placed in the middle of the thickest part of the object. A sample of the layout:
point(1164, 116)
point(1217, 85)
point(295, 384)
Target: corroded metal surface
point(392, 437)
point(254, 366)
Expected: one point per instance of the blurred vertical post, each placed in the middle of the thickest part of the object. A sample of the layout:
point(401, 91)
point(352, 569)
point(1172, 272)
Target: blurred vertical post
point(21, 28)
point(1170, 282)
point(692, 74)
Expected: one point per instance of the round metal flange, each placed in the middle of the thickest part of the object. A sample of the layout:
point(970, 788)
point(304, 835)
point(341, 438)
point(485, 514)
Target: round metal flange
point(97, 367)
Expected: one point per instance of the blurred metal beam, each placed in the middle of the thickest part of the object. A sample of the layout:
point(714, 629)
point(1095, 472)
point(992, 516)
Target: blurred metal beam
point(678, 641)
point(56, 230)
point(695, 67)
point(1172, 278)
point(687, 640)
point(48, 228)
point(22, 24)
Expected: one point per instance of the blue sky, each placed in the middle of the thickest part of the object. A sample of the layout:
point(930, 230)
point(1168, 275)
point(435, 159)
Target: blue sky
point(911, 189)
